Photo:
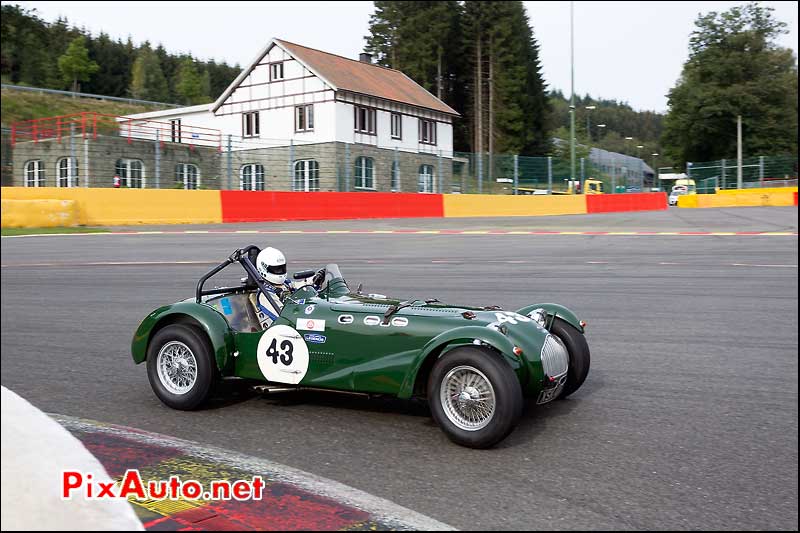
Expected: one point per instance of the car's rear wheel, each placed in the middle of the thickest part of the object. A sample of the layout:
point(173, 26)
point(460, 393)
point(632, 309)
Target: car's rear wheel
point(180, 367)
point(474, 396)
point(578, 351)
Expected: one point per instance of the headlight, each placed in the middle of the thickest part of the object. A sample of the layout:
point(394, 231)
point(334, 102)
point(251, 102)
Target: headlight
point(539, 316)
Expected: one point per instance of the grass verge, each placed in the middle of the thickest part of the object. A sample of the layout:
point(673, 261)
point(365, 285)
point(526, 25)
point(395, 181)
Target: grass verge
point(8, 232)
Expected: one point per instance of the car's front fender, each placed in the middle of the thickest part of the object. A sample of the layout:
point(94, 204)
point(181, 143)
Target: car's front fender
point(210, 321)
point(465, 335)
point(555, 310)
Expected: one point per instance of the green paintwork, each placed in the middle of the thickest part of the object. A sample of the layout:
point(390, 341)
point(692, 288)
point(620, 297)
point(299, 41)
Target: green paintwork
point(555, 310)
point(377, 358)
point(213, 323)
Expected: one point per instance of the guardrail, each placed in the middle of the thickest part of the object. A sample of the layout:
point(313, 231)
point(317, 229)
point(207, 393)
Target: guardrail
point(85, 95)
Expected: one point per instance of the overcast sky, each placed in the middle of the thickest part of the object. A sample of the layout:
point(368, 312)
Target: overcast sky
point(629, 51)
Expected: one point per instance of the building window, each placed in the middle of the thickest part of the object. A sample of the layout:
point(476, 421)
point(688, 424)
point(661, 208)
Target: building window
point(67, 170)
point(395, 182)
point(276, 71)
point(364, 120)
point(175, 130)
point(187, 175)
point(397, 126)
point(365, 173)
point(251, 177)
point(131, 173)
point(250, 125)
point(306, 176)
point(426, 178)
point(427, 131)
point(34, 173)
point(304, 117)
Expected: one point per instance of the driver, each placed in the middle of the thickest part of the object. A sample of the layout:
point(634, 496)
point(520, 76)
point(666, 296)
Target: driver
point(271, 264)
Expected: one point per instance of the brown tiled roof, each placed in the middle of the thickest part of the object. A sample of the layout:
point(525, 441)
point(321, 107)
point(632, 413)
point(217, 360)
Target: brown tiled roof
point(359, 77)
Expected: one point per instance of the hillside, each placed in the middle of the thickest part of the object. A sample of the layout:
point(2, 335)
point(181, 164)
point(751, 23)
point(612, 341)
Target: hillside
point(18, 105)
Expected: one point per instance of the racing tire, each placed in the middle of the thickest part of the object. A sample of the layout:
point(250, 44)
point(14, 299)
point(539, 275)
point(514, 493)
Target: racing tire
point(180, 367)
point(578, 355)
point(459, 386)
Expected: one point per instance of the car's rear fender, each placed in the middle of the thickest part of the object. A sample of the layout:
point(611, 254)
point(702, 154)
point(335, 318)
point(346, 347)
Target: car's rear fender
point(202, 316)
point(416, 378)
point(555, 310)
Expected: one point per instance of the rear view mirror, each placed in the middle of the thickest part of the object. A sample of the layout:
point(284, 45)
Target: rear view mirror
point(303, 274)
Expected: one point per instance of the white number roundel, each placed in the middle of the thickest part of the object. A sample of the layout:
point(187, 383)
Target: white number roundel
point(283, 355)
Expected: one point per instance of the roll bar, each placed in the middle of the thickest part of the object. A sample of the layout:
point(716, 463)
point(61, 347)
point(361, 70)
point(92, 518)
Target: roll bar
point(241, 256)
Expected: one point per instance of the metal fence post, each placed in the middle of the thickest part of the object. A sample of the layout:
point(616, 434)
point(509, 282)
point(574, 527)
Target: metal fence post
point(86, 162)
point(761, 171)
point(291, 166)
point(516, 174)
point(723, 174)
point(73, 176)
point(583, 174)
point(395, 173)
point(613, 176)
point(158, 159)
point(347, 167)
point(439, 172)
point(549, 175)
point(480, 172)
point(230, 165)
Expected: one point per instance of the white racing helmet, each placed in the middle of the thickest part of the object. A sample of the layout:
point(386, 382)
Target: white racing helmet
point(271, 264)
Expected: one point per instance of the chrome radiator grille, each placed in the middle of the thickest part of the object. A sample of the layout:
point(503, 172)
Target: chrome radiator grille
point(555, 359)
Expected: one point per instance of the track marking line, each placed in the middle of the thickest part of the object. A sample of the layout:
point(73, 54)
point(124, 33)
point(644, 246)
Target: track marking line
point(764, 266)
point(426, 232)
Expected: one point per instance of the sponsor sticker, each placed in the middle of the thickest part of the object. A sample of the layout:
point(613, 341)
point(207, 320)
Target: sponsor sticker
point(315, 338)
point(400, 321)
point(310, 309)
point(371, 320)
point(310, 324)
point(345, 319)
point(226, 306)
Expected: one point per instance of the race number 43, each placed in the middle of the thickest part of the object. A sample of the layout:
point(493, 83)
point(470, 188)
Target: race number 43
point(282, 355)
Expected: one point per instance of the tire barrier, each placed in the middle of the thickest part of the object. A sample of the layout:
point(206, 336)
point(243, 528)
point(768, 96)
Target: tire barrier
point(742, 198)
point(38, 213)
point(122, 207)
point(612, 203)
point(265, 206)
point(487, 205)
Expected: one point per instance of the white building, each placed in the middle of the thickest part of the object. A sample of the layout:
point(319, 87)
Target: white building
point(379, 128)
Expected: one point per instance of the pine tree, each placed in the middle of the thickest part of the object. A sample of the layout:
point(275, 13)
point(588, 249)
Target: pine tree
point(75, 65)
point(147, 79)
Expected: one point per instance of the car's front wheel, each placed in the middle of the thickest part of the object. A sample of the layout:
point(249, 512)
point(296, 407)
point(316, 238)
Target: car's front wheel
point(474, 396)
point(180, 367)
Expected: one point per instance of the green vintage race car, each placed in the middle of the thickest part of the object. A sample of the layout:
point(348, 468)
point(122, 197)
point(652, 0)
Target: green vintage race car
point(473, 364)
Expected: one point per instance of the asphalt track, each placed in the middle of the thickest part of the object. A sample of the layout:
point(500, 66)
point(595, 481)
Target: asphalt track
point(688, 419)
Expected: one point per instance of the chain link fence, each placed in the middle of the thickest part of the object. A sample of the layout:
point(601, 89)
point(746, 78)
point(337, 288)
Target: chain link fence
point(757, 172)
point(93, 150)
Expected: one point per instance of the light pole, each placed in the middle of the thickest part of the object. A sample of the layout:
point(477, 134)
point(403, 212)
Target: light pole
point(588, 127)
point(572, 92)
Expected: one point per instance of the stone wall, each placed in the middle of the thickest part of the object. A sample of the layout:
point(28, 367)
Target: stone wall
point(97, 158)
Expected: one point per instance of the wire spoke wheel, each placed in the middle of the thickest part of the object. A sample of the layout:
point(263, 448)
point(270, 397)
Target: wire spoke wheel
point(468, 398)
point(177, 367)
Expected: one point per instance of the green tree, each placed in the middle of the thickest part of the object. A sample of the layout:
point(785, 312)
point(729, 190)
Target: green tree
point(147, 79)
point(192, 86)
point(75, 65)
point(734, 68)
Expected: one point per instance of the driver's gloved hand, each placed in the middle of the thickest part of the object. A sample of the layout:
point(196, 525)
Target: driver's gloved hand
point(318, 278)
